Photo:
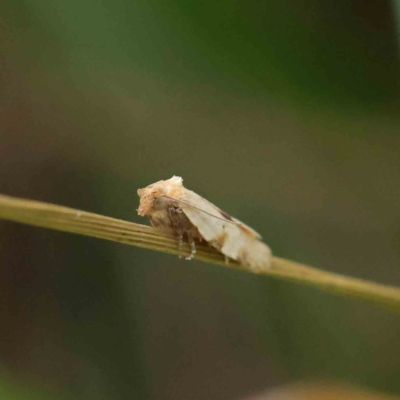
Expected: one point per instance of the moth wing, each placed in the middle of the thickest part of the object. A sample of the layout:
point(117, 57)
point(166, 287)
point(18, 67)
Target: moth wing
point(237, 241)
point(249, 231)
point(213, 209)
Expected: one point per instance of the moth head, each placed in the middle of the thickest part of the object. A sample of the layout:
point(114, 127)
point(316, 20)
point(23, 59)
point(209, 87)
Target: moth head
point(151, 197)
point(148, 195)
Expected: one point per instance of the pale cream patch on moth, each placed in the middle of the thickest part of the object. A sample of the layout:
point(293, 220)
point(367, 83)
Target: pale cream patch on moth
point(172, 207)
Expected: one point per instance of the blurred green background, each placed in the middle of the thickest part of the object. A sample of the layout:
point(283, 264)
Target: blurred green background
point(283, 113)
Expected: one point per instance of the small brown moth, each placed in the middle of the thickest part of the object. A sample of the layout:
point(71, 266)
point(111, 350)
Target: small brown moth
point(172, 207)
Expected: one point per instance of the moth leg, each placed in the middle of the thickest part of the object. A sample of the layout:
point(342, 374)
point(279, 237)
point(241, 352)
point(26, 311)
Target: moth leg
point(173, 214)
point(192, 245)
point(180, 243)
point(226, 260)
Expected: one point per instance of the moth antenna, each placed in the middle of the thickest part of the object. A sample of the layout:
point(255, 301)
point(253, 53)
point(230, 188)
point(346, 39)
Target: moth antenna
point(199, 209)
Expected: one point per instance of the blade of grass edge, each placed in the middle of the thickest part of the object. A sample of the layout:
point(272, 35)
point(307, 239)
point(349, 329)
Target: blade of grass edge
point(66, 219)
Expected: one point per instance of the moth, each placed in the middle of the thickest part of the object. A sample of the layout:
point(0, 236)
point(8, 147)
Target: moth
point(171, 206)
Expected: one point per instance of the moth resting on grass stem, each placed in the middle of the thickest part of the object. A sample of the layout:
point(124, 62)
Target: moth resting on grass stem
point(172, 207)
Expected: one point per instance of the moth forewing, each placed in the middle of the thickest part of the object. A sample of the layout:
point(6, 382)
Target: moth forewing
point(169, 205)
point(236, 241)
